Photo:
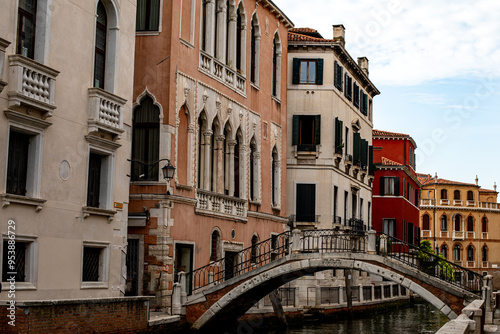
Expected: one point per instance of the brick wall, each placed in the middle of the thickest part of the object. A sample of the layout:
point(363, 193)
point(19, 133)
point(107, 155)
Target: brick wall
point(110, 315)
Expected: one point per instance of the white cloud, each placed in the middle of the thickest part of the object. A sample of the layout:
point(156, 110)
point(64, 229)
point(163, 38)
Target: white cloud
point(410, 42)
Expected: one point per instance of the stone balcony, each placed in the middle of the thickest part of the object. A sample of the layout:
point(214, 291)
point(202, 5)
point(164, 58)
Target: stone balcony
point(223, 73)
point(31, 85)
point(219, 204)
point(105, 112)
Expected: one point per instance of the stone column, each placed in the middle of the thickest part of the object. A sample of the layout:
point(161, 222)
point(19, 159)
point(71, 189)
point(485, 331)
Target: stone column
point(220, 162)
point(176, 299)
point(206, 177)
point(317, 296)
point(372, 242)
point(220, 39)
point(231, 144)
point(361, 297)
point(296, 241)
point(256, 186)
point(383, 244)
point(231, 37)
point(210, 26)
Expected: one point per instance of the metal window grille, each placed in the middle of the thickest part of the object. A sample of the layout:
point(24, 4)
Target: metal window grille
point(387, 291)
point(90, 272)
point(378, 292)
point(367, 293)
point(19, 266)
point(395, 291)
point(329, 295)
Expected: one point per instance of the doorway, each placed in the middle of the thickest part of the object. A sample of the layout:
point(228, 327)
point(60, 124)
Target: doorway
point(184, 262)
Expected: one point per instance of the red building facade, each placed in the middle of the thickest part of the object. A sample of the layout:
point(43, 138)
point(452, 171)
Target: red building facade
point(395, 186)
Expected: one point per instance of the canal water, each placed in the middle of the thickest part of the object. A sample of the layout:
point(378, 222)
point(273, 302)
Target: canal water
point(418, 318)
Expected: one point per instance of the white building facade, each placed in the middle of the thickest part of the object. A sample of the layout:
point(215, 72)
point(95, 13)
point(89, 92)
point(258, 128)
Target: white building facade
point(65, 96)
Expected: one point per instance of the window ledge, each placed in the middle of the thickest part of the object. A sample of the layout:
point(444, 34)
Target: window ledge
point(94, 285)
point(257, 202)
point(183, 186)
point(7, 199)
point(147, 33)
point(275, 98)
point(255, 86)
point(306, 155)
point(88, 210)
point(19, 286)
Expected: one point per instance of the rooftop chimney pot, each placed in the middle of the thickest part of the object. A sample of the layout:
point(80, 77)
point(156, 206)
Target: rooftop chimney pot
point(339, 33)
point(363, 64)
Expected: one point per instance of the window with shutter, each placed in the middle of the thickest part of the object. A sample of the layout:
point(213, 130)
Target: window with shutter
point(296, 71)
point(356, 96)
point(338, 76)
point(307, 71)
point(364, 153)
point(306, 132)
point(319, 71)
point(338, 136)
point(295, 130)
point(356, 149)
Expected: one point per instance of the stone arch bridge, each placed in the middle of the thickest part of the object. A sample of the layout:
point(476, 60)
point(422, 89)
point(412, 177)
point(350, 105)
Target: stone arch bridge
point(226, 289)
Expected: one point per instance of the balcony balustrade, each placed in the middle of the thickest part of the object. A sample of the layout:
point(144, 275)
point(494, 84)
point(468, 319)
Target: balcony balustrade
point(221, 72)
point(31, 85)
point(471, 203)
point(471, 235)
point(444, 234)
point(444, 202)
point(457, 202)
point(210, 202)
point(458, 235)
point(105, 112)
point(426, 234)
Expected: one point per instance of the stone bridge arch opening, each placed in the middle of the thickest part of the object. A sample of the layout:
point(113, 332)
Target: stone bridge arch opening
point(229, 301)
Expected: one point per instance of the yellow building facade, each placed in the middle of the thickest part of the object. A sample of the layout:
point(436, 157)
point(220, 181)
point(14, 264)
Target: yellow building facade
point(462, 221)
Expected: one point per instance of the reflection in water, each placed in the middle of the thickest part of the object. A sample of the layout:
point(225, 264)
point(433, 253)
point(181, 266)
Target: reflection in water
point(420, 318)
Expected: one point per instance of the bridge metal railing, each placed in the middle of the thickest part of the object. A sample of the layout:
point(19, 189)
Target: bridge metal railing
point(244, 261)
point(432, 264)
point(332, 241)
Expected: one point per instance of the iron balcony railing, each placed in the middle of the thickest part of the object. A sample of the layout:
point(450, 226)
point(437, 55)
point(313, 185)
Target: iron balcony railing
point(244, 261)
point(357, 225)
point(432, 265)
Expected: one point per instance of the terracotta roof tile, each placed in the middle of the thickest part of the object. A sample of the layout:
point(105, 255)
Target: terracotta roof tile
point(427, 179)
point(481, 190)
point(389, 162)
point(301, 37)
point(307, 31)
point(380, 133)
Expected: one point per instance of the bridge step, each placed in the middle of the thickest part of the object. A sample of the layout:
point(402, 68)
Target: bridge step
point(490, 329)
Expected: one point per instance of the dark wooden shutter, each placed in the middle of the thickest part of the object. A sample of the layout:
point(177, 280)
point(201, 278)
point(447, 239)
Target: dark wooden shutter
point(317, 129)
point(335, 74)
point(356, 147)
point(319, 71)
point(364, 152)
point(295, 130)
point(94, 181)
point(382, 186)
point(17, 168)
point(341, 71)
point(370, 160)
point(396, 186)
point(296, 71)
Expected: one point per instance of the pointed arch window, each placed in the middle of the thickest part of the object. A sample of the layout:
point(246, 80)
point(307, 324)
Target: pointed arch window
point(484, 225)
point(100, 46)
point(237, 171)
point(444, 223)
point(456, 252)
point(276, 73)
point(145, 140)
point(183, 147)
point(470, 253)
point(470, 224)
point(458, 223)
point(275, 177)
point(215, 246)
point(253, 170)
point(254, 50)
point(484, 253)
point(425, 222)
point(444, 251)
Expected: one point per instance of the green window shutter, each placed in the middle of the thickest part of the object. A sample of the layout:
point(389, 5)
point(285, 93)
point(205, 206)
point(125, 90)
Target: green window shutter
point(317, 129)
point(382, 185)
point(319, 71)
point(335, 74)
point(296, 71)
point(295, 130)
point(341, 75)
point(364, 152)
point(396, 186)
point(356, 147)
point(336, 141)
point(370, 160)
point(341, 137)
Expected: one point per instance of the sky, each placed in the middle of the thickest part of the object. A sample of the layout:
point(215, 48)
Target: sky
point(437, 66)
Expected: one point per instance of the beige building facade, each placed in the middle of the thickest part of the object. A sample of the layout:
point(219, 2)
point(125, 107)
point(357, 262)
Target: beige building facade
point(329, 136)
point(462, 222)
point(65, 96)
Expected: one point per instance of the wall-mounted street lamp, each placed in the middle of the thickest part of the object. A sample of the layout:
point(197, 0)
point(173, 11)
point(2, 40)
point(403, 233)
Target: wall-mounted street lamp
point(168, 170)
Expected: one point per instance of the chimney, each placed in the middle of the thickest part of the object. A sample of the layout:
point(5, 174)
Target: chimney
point(339, 33)
point(435, 175)
point(495, 186)
point(477, 180)
point(363, 64)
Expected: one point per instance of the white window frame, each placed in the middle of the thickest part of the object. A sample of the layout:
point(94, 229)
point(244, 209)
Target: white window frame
point(102, 283)
point(31, 266)
point(106, 186)
point(389, 184)
point(389, 228)
point(35, 128)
